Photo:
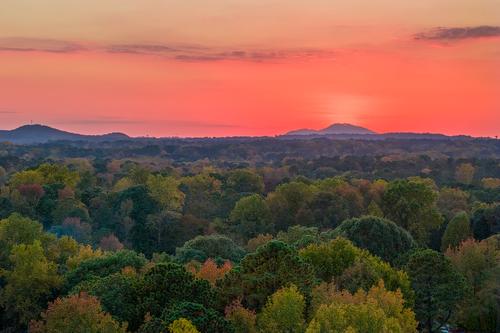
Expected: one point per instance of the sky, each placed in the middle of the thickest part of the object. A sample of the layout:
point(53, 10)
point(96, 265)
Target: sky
point(246, 67)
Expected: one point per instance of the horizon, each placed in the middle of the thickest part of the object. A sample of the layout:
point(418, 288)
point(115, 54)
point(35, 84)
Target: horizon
point(237, 68)
point(242, 136)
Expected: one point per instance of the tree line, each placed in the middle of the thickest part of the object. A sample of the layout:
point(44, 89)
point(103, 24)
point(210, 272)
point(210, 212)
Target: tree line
point(134, 245)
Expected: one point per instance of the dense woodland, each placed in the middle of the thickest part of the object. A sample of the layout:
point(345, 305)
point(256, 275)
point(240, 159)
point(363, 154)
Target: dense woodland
point(250, 235)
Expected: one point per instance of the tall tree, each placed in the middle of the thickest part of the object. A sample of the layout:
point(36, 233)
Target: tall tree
point(29, 283)
point(412, 205)
point(438, 287)
point(201, 248)
point(260, 274)
point(165, 190)
point(486, 221)
point(251, 216)
point(457, 230)
point(479, 263)
point(14, 230)
point(380, 236)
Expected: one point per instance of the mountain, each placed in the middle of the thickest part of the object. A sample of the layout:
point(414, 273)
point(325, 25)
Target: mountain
point(41, 134)
point(335, 129)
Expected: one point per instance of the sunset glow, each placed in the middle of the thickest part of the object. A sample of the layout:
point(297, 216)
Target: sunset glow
point(186, 68)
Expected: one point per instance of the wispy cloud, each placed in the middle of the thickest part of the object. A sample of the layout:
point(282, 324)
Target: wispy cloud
point(140, 48)
point(450, 34)
point(23, 44)
point(197, 53)
point(178, 52)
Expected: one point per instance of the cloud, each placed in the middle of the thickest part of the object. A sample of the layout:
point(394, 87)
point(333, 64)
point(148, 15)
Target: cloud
point(177, 52)
point(197, 53)
point(449, 34)
point(8, 112)
point(23, 44)
point(140, 49)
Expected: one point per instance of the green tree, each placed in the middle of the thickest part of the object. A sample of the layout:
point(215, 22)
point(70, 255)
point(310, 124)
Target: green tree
point(452, 201)
point(299, 236)
point(78, 314)
point(479, 263)
point(47, 174)
point(368, 270)
point(260, 274)
point(438, 287)
point(380, 236)
point(165, 228)
point(327, 209)
point(287, 201)
point(30, 282)
point(283, 312)
point(141, 205)
point(245, 181)
point(251, 216)
point(165, 190)
point(330, 259)
point(100, 266)
point(26, 177)
point(457, 230)
point(374, 209)
point(14, 230)
point(213, 246)
point(205, 319)
point(166, 285)
point(486, 221)
point(118, 294)
point(203, 193)
point(412, 205)
point(3, 175)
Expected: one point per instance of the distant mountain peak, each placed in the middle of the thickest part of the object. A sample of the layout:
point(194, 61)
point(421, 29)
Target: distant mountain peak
point(37, 133)
point(337, 128)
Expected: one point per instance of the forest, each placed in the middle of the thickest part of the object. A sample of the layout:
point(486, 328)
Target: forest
point(250, 235)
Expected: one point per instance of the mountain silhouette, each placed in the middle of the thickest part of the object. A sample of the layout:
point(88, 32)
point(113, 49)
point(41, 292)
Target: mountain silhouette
point(41, 134)
point(333, 129)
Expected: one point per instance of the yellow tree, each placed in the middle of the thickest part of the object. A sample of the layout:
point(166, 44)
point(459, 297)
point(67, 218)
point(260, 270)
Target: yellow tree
point(376, 311)
point(182, 325)
point(465, 173)
point(284, 312)
point(165, 190)
point(30, 282)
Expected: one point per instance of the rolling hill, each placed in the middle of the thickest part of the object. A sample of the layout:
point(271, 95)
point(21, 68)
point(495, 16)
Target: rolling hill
point(40, 134)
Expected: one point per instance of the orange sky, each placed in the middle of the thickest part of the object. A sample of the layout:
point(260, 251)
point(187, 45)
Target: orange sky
point(234, 67)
